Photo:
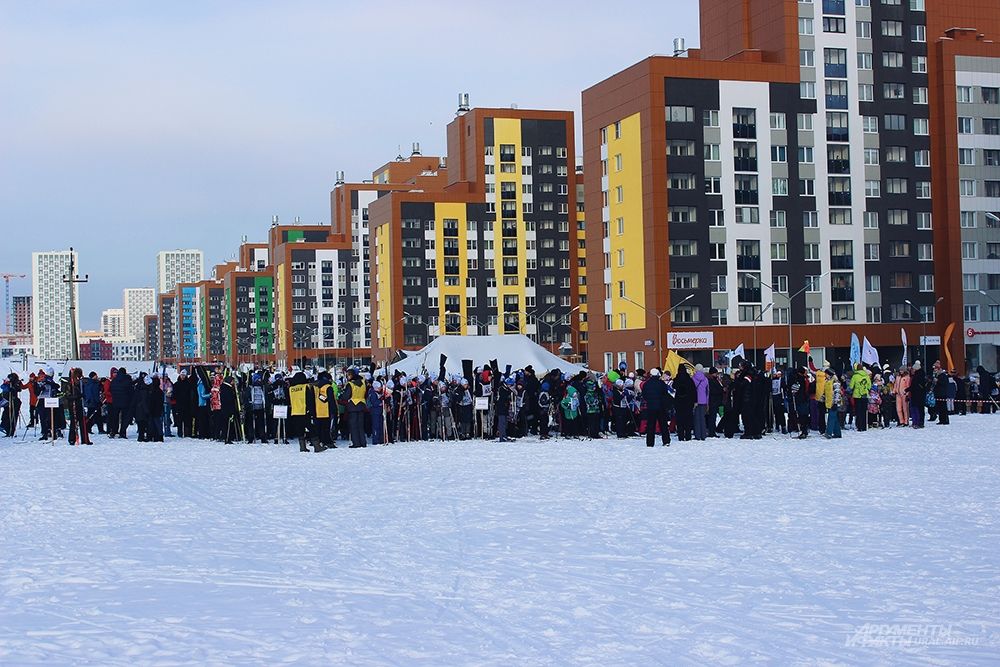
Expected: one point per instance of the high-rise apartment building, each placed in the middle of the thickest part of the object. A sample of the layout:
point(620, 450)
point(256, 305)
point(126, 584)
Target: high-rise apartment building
point(168, 327)
point(776, 183)
point(52, 328)
point(151, 343)
point(490, 252)
point(113, 323)
point(21, 306)
point(178, 266)
point(137, 303)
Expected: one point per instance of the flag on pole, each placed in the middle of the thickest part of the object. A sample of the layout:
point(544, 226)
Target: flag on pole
point(855, 350)
point(739, 352)
point(769, 358)
point(902, 332)
point(674, 361)
point(869, 354)
point(805, 347)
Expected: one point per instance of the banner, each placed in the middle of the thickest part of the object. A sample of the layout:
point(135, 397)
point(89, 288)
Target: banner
point(855, 350)
point(869, 354)
point(769, 358)
point(902, 333)
point(673, 363)
point(805, 347)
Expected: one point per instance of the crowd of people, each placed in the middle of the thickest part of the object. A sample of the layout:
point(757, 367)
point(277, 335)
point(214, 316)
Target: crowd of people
point(318, 409)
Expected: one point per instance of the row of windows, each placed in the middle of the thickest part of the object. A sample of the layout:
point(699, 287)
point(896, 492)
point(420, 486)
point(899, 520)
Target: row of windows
point(810, 251)
point(863, 29)
point(988, 95)
point(835, 61)
point(967, 125)
point(526, 151)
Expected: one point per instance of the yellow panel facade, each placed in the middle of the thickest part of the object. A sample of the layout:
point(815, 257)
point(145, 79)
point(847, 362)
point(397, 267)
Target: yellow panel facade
point(445, 216)
point(383, 278)
point(626, 242)
point(507, 131)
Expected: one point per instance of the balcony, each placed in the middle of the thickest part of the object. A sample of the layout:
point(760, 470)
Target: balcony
point(748, 262)
point(744, 131)
point(746, 197)
point(835, 71)
point(836, 101)
point(842, 294)
point(748, 294)
point(745, 163)
point(838, 166)
point(840, 199)
point(840, 134)
point(833, 7)
point(841, 262)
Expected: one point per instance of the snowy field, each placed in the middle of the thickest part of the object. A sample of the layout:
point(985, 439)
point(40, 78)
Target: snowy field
point(881, 548)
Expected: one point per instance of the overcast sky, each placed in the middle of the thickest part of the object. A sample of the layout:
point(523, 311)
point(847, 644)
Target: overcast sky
point(130, 127)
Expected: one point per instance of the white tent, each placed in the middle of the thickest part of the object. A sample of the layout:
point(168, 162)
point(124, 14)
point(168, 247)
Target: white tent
point(62, 366)
point(514, 349)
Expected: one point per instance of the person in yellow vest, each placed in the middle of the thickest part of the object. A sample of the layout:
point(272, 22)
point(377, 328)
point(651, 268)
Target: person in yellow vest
point(326, 405)
point(356, 394)
point(818, 416)
point(302, 406)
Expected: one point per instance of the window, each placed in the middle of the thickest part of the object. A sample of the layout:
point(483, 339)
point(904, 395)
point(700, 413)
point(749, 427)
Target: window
point(892, 28)
point(990, 95)
point(991, 157)
point(964, 94)
point(969, 250)
point(807, 58)
point(970, 282)
point(682, 214)
point(899, 248)
point(713, 185)
point(807, 187)
point(922, 158)
point(892, 59)
point(895, 154)
point(900, 280)
point(618, 129)
point(779, 153)
point(966, 157)
point(719, 283)
point(991, 126)
point(810, 219)
point(717, 218)
point(779, 186)
point(620, 192)
point(967, 187)
point(805, 26)
point(810, 251)
point(919, 95)
point(871, 252)
point(678, 114)
point(777, 121)
point(871, 219)
point(777, 218)
point(779, 251)
point(864, 60)
point(921, 126)
point(924, 220)
point(813, 316)
point(895, 122)
point(712, 153)
point(680, 148)
point(967, 219)
point(896, 186)
point(869, 124)
point(807, 90)
point(965, 125)
point(834, 24)
point(873, 188)
point(683, 248)
point(873, 283)
point(971, 313)
point(898, 216)
point(680, 182)
point(918, 33)
point(747, 215)
point(805, 154)
point(866, 92)
point(873, 314)
point(710, 118)
point(925, 252)
point(804, 121)
point(918, 64)
point(716, 250)
point(871, 156)
point(863, 30)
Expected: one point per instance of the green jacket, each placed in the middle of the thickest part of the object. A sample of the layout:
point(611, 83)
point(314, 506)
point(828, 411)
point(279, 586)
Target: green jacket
point(861, 384)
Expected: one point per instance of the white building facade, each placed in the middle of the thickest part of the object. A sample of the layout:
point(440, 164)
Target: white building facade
point(178, 266)
point(52, 332)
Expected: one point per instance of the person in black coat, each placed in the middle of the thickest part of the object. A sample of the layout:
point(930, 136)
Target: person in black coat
point(229, 417)
point(185, 403)
point(121, 403)
point(918, 395)
point(987, 385)
point(154, 403)
point(684, 398)
point(658, 404)
point(716, 399)
point(140, 407)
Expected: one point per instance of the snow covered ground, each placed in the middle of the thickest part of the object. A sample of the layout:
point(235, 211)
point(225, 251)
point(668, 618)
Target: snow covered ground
point(878, 548)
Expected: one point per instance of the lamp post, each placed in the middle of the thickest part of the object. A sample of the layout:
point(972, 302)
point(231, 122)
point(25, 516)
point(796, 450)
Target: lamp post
point(923, 321)
point(759, 317)
point(72, 279)
point(788, 298)
point(659, 319)
point(350, 334)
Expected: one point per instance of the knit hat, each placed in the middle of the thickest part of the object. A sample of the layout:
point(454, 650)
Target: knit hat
point(654, 372)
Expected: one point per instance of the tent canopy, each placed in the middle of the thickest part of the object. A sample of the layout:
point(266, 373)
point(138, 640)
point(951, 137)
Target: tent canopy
point(514, 349)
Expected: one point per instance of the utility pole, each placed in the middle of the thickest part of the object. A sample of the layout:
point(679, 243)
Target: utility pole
point(72, 279)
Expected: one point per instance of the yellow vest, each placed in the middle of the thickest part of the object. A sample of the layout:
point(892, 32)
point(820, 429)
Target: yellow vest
point(820, 385)
point(322, 406)
point(297, 397)
point(358, 393)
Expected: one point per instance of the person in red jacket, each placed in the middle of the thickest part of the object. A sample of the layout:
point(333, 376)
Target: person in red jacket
point(32, 399)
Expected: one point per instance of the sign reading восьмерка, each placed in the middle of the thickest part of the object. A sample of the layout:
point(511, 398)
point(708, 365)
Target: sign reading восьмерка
point(691, 340)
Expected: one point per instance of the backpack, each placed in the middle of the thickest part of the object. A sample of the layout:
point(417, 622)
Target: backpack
point(257, 397)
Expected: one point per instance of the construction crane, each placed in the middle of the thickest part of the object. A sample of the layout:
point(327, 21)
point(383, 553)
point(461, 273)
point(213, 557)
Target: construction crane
point(7, 303)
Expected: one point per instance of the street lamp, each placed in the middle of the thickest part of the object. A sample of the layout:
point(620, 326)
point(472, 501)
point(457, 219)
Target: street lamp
point(983, 292)
point(759, 317)
point(659, 319)
point(789, 297)
point(923, 320)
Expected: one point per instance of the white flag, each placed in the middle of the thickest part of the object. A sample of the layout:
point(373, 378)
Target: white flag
point(869, 354)
point(902, 332)
point(769, 357)
point(738, 352)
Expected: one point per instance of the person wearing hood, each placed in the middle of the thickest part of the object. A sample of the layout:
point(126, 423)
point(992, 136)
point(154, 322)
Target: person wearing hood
point(685, 397)
point(92, 402)
point(356, 396)
point(701, 390)
point(326, 406)
point(302, 408)
point(901, 388)
point(658, 403)
point(228, 413)
point(10, 403)
point(182, 407)
point(801, 396)
point(140, 406)
point(155, 399)
point(78, 433)
point(989, 394)
point(941, 388)
point(859, 386)
point(832, 396)
point(121, 400)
